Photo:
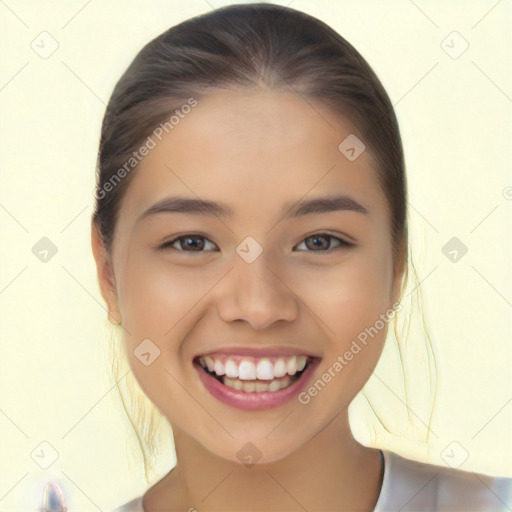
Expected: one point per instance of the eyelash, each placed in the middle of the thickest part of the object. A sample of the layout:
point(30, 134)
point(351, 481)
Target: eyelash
point(343, 244)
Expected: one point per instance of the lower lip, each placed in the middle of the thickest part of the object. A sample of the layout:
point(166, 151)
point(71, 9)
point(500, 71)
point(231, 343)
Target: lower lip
point(258, 400)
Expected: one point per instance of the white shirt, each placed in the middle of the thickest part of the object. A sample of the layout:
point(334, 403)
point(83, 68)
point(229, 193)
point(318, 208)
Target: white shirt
point(409, 485)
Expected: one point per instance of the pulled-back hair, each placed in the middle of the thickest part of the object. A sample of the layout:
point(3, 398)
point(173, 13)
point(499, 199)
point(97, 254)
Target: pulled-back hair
point(251, 46)
point(256, 46)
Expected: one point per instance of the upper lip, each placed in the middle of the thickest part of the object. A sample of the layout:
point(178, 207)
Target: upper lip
point(259, 352)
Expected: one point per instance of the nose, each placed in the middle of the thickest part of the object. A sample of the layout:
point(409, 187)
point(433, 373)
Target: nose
point(255, 293)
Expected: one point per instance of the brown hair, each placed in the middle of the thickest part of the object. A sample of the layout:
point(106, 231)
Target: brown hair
point(250, 46)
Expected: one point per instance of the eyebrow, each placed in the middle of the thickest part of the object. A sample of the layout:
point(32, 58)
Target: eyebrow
point(290, 210)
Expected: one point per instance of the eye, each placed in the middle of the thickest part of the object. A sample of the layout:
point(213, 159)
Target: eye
point(322, 242)
point(188, 243)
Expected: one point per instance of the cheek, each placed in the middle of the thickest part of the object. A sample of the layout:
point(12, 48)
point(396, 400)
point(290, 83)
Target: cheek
point(156, 297)
point(348, 297)
point(160, 302)
point(155, 304)
point(351, 301)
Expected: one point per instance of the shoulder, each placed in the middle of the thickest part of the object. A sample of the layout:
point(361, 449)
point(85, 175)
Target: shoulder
point(134, 505)
point(411, 485)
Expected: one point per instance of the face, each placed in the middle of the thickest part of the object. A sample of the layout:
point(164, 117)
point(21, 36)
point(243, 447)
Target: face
point(260, 287)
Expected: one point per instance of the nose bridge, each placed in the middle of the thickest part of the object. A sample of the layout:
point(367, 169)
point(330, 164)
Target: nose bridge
point(255, 292)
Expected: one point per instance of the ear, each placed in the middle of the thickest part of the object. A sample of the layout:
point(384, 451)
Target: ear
point(105, 276)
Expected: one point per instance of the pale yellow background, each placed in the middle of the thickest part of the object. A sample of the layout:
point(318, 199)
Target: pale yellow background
point(455, 117)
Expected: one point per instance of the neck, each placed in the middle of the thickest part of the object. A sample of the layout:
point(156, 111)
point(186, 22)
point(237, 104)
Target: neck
point(332, 471)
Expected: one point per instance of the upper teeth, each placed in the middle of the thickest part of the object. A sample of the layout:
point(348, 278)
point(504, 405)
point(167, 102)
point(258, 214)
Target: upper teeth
point(251, 368)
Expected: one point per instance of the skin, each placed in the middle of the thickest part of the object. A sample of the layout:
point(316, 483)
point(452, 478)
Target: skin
point(254, 151)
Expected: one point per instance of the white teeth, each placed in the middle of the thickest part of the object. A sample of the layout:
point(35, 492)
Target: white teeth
point(285, 382)
point(218, 368)
point(231, 369)
point(275, 385)
point(280, 368)
point(246, 370)
point(291, 366)
point(251, 369)
point(265, 370)
point(249, 387)
point(209, 363)
point(237, 384)
point(257, 387)
point(233, 383)
point(260, 386)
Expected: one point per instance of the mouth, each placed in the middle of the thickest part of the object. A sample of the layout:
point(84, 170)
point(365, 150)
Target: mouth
point(252, 383)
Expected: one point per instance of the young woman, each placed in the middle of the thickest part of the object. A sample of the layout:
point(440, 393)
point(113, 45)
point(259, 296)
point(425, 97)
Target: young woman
point(250, 232)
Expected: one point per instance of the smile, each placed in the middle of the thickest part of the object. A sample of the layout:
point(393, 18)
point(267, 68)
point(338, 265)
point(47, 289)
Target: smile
point(254, 382)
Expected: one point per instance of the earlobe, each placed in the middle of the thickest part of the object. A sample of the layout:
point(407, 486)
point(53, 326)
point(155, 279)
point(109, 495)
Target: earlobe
point(105, 275)
point(400, 271)
point(397, 287)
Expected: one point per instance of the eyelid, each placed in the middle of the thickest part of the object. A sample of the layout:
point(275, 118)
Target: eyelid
point(344, 243)
point(168, 245)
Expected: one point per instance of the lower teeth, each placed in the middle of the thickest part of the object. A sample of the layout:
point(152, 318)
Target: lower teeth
point(254, 386)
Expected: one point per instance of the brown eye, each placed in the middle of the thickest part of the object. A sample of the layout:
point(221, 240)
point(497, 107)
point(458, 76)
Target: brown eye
point(188, 243)
point(322, 242)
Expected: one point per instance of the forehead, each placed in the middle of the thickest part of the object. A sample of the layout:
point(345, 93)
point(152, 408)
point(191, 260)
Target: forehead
point(250, 149)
